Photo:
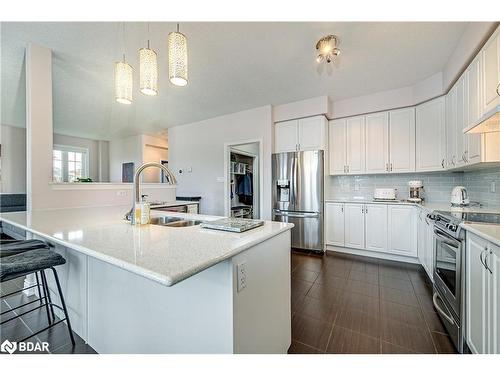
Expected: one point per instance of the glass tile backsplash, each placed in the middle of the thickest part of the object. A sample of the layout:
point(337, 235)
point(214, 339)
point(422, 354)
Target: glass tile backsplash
point(437, 186)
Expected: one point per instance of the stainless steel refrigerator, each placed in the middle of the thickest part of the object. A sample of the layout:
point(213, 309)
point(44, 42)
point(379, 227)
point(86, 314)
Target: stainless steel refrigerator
point(298, 181)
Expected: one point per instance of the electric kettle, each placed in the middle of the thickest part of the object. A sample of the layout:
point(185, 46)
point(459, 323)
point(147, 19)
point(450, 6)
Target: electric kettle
point(459, 196)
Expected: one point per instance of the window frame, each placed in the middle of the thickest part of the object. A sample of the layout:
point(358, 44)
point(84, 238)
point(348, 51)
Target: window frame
point(64, 150)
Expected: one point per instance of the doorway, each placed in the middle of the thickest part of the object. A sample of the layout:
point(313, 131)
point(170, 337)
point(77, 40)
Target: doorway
point(243, 181)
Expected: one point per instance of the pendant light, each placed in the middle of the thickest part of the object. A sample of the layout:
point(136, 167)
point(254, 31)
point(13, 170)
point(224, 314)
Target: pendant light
point(177, 58)
point(123, 78)
point(148, 70)
point(123, 82)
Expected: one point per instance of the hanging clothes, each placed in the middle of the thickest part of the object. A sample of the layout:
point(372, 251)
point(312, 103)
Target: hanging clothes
point(244, 188)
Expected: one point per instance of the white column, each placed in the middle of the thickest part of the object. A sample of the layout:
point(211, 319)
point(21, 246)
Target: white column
point(39, 128)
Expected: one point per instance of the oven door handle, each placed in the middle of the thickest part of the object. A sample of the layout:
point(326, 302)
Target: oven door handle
point(455, 244)
point(440, 310)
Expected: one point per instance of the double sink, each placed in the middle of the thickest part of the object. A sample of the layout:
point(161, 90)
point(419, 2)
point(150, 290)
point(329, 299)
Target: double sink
point(172, 221)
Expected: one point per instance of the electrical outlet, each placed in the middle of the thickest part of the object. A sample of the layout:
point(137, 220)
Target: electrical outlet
point(493, 187)
point(241, 272)
point(220, 179)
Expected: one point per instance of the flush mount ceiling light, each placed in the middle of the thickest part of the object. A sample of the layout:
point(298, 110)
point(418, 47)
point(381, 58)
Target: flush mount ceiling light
point(148, 70)
point(123, 82)
point(177, 58)
point(327, 48)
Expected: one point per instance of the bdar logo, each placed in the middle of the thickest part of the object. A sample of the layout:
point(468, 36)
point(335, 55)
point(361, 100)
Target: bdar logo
point(8, 347)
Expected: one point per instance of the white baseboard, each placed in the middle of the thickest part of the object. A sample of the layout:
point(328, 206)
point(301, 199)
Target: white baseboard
point(373, 254)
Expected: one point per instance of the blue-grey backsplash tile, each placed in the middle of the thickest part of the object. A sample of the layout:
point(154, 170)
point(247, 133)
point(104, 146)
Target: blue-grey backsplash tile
point(437, 185)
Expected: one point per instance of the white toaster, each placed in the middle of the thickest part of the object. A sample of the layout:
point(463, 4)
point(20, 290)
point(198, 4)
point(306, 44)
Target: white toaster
point(385, 194)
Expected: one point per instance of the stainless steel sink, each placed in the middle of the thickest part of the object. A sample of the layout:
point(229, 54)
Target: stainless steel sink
point(185, 223)
point(172, 221)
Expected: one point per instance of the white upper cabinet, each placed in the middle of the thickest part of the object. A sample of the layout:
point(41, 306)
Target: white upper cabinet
point(473, 79)
point(431, 136)
point(377, 143)
point(312, 133)
point(402, 230)
point(337, 146)
point(334, 222)
point(300, 135)
point(491, 72)
point(462, 111)
point(402, 140)
point(451, 139)
point(354, 225)
point(286, 136)
point(376, 227)
point(355, 147)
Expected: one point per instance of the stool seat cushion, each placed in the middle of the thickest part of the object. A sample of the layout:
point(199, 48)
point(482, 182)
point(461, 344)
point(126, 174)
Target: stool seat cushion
point(16, 247)
point(28, 262)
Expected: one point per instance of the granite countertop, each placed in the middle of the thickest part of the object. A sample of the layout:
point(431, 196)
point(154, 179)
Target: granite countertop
point(163, 254)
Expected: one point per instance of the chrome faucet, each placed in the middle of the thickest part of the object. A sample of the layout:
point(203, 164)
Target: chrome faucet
point(136, 192)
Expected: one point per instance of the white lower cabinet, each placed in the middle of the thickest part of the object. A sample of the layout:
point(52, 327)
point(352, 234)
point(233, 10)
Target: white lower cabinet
point(354, 225)
point(334, 219)
point(383, 228)
point(425, 243)
point(376, 227)
point(402, 231)
point(482, 303)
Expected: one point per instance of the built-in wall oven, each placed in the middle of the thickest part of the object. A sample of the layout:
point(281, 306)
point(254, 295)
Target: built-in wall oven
point(448, 275)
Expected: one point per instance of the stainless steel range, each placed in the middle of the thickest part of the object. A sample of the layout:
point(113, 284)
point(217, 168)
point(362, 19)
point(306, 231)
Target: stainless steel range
point(449, 268)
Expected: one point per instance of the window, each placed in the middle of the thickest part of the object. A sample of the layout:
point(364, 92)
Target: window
point(69, 163)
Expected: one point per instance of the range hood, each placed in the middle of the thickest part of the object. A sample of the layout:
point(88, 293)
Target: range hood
point(488, 123)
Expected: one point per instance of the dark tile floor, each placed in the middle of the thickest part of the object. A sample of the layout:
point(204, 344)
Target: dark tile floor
point(340, 304)
point(351, 304)
point(17, 329)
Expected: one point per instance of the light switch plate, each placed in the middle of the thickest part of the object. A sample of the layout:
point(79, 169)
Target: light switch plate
point(241, 274)
point(220, 179)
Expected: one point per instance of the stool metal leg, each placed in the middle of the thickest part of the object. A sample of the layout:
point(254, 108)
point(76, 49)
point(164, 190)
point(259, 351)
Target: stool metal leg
point(63, 305)
point(44, 296)
point(47, 294)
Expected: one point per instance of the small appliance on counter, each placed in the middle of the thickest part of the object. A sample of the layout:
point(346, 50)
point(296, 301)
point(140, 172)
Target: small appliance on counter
point(459, 197)
point(384, 194)
point(232, 224)
point(416, 188)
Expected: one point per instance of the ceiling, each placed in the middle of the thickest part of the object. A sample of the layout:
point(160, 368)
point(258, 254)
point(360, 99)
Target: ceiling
point(232, 67)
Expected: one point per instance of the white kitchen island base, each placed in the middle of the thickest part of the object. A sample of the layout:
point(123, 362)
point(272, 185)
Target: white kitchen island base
point(117, 311)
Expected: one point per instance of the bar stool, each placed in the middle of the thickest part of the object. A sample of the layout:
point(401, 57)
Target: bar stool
point(22, 258)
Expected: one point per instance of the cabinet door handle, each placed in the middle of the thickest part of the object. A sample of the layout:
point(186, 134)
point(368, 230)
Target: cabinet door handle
point(488, 252)
point(498, 89)
point(442, 163)
point(481, 257)
point(391, 168)
point(387, 167)
point(347, 169)
point(366, 210)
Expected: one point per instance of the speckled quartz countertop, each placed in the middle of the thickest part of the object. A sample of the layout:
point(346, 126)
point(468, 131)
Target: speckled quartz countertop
point(490, 232)
point(164, 254)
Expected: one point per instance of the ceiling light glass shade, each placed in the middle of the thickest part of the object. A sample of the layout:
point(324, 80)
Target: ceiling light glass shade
point(177, 59)
point(327, 48)
point(123, 82)
point(148, 71)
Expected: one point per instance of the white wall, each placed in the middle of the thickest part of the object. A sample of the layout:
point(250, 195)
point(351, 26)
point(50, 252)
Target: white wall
point(389, 99)
point(137, 149)
point(123, 150)
point(13, 160)
point(303, 108)
point(200, 146)
point(470, 43)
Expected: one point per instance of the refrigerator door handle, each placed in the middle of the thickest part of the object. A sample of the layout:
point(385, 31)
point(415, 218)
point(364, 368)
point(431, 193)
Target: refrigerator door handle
point(297, 214)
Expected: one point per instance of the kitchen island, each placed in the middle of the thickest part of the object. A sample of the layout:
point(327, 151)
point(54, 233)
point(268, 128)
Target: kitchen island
point(158, 289)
